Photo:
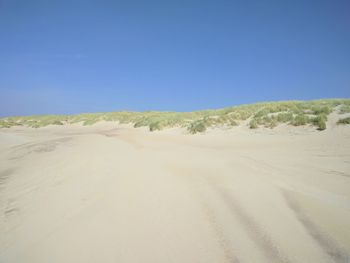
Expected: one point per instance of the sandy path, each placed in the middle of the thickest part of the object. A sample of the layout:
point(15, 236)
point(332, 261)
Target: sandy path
point(106, 194)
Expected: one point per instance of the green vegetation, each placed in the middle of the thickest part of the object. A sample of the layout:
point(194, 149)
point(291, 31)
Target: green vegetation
point(253, 124)
point(299, 120)
point(344, 109)
point(344, 121)
point(197, 126)
point(320, 121)
point(285, 117)
point(267, 114)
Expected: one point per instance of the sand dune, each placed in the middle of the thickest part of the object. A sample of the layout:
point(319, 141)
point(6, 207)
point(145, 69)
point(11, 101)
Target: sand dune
point(111, 193)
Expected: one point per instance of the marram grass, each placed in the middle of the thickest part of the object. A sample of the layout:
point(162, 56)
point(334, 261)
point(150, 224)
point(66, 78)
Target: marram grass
point(266, 114)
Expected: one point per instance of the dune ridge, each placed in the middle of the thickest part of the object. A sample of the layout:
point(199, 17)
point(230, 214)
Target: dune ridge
point(266, 114)
point(108, 192)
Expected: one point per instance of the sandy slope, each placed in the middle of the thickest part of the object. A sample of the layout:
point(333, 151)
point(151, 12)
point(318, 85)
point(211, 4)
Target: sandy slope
point(110, 193)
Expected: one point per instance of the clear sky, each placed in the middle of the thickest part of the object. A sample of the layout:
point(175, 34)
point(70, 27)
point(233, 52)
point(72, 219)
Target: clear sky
point(87, 56)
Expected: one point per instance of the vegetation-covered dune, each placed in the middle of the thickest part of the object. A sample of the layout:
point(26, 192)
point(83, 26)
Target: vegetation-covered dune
point(266, 114)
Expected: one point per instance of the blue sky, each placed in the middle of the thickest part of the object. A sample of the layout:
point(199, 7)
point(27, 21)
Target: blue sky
point(87, 56)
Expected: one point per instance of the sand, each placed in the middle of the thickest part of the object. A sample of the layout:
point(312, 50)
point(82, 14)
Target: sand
point(112, 193)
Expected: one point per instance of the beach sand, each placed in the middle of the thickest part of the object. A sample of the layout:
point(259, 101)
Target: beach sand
point(112, 193)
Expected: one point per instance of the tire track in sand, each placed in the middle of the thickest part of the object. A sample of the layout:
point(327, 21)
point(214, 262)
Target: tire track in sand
point(248, 223)
point(325, 242)
point(252, 227)
point(191, 181)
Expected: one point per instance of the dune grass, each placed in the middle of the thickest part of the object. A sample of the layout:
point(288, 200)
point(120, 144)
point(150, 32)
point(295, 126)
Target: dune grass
point(344, 121)
point(344, 109)
point(267, 114)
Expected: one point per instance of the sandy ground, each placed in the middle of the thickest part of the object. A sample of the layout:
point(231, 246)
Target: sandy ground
point(110, 193)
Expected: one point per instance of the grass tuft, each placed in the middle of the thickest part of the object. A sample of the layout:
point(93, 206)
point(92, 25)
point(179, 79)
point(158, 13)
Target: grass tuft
point(344, 121)
point(253, 124)
point(197, 126)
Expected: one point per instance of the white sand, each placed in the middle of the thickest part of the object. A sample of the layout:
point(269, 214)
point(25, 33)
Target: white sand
point(109, 193)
